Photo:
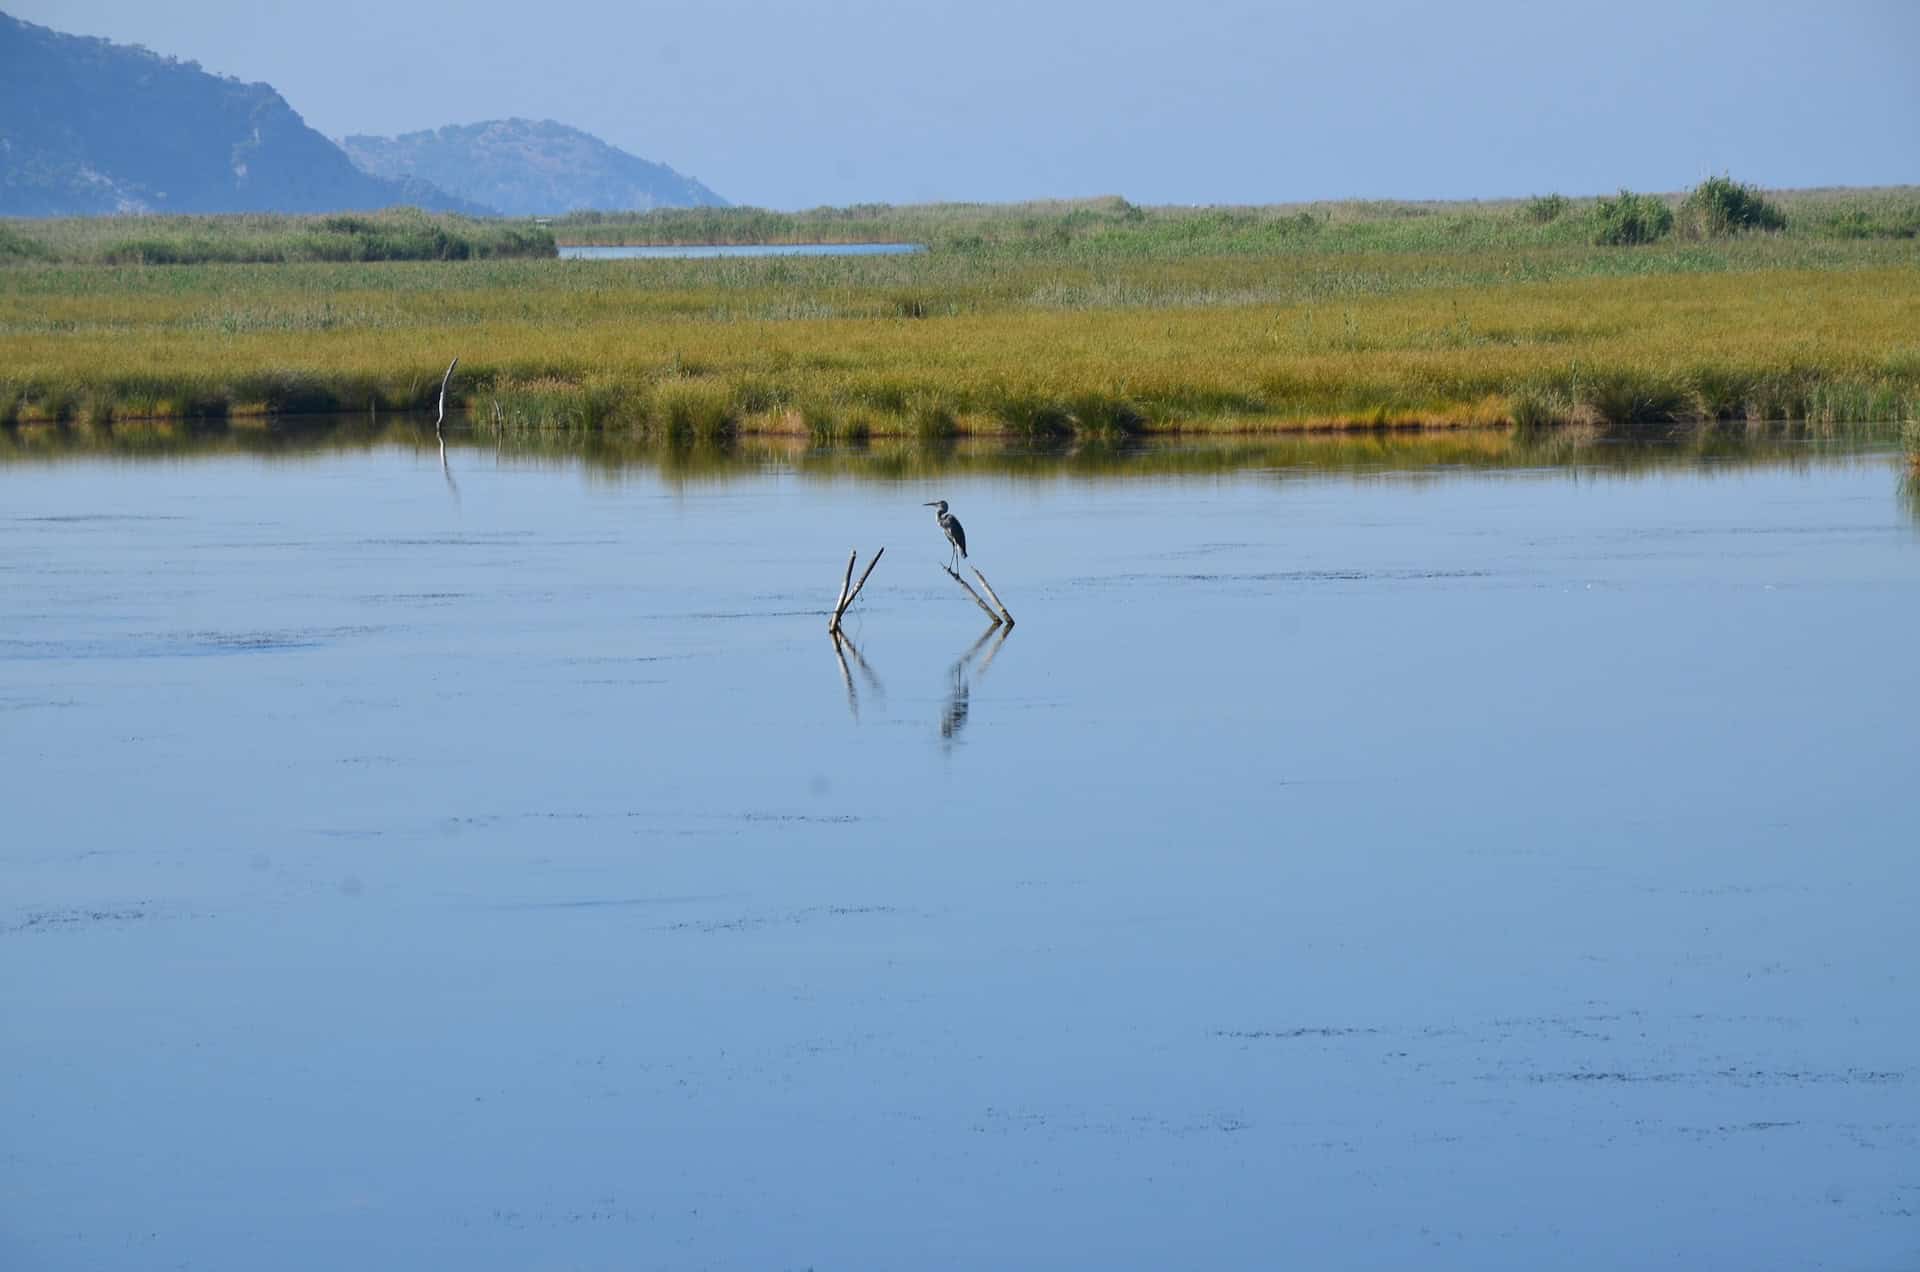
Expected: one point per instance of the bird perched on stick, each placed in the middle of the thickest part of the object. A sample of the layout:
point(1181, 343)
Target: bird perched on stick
point(951, 525)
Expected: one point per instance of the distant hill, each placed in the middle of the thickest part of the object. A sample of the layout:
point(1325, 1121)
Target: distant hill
point(525, 168)
point(88, 126)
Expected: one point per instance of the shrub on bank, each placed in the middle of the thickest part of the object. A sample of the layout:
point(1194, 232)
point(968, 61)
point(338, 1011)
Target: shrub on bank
point(1720, 206)
point(1631, 219)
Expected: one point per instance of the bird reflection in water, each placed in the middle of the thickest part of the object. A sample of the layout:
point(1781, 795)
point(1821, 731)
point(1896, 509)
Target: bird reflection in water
point(843, 646)
point(953, 717)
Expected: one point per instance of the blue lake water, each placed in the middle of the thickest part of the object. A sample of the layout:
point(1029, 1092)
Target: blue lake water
point(1407, 865)
point(687, 251)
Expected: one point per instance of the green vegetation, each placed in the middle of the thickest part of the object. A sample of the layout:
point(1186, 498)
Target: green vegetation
point(1547, 207)
point(1096, 319)
point(1720, 206)
point(1631, 219)
point(1088, 229)
point(1859, 217)
point(15, 246)
point(398, 234)
point(1094, 229)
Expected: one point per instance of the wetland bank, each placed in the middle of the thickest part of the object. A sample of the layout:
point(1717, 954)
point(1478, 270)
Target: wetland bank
point(1034, 321)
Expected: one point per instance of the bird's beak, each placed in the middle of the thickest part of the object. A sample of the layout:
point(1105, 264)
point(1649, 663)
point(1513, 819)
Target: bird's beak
point(931, 503)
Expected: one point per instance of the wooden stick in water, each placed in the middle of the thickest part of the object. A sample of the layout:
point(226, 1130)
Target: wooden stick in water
point(995, 595)
point(445, 380)
point(833, 624)
point(855, 594)
point(849, 590)
point(968, 587)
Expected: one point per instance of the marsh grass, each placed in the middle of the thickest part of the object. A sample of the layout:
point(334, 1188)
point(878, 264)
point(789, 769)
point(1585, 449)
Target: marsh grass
point(397, 234)
point(1086, 321)
point(1546, 208)
point(1113, 228)
point(1620, 352)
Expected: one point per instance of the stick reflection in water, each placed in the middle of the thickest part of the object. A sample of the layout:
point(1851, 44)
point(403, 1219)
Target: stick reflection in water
point(453, 487)
point(967, 668)
point(441, 437)
point(953, 717)
point(843, 646)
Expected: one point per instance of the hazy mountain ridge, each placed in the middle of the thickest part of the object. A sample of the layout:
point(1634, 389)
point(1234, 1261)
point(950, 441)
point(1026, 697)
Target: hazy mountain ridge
point(88, 126)
point(527, 168)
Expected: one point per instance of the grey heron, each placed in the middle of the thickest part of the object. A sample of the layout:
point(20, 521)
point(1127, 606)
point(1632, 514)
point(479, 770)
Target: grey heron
point(951, 525)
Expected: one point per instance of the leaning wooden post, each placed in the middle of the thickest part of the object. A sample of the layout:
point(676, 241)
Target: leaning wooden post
point(445, 380)
point(849, 590)
point(968, 588)
point(855, 594)
point(995, 595)
point(833, 623)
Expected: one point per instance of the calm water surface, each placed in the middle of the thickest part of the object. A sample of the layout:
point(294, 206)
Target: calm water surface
point(1422, 866)
point(684, 251)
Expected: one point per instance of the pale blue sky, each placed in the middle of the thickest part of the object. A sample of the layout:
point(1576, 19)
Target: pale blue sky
point(1208, 101)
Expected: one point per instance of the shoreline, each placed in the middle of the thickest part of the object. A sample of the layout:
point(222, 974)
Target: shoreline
point(1595, 399)
point(470, 426)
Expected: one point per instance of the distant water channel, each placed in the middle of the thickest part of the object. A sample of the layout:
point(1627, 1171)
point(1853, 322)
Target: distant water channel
point(1367, 854)
point(689, 251)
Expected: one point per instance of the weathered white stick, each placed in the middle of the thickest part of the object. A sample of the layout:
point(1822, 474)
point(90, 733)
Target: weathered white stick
point(833, 623)
point(855, 594)
point(984, 607)
point(445, 380)
point(995, 595)
point(849, 590)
